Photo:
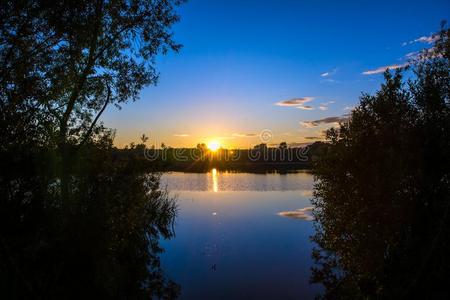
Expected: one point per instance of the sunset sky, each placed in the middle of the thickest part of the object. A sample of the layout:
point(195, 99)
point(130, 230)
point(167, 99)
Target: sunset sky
point(291, 67)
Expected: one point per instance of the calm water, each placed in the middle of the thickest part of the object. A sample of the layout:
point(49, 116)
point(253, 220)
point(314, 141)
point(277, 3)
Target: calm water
point(232, 243)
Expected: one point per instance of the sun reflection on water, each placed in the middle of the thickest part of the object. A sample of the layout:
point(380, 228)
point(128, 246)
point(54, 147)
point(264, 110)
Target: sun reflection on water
point(215, 180)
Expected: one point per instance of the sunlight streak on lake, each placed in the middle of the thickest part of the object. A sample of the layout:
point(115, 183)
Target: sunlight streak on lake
point(214, 180)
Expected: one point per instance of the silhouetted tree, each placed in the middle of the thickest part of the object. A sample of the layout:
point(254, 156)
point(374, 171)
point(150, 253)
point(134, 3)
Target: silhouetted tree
point(202, 147)
point(76, 219)
point(262, 146)
point(382, 193)
point(64, 62)
point(144, 138)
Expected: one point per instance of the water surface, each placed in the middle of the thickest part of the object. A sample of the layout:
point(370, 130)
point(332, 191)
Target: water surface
point(231, 242)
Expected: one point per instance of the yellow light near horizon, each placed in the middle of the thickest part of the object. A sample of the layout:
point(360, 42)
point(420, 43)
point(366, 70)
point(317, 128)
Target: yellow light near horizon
point(213, 146)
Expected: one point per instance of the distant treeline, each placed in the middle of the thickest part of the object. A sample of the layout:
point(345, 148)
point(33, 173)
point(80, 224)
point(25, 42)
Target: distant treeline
point(261, 158)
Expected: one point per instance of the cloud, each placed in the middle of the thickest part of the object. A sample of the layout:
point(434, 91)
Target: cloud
point(302, 213)
point(412, 59)
point(384, 68)
point(324, 106)
point(413, 54)
point(305, 107)
point(422, 55)
point(295, 102)
point(329, 73)
point(328, 120)
point(307, 124)
point(423, 39)
point(244, 134)
point(312, 137)
point(349, 108)
point(181, 134)
point(329, 80)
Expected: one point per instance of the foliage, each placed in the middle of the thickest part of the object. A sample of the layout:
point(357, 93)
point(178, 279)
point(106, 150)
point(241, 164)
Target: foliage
point(76, 220)
point(63, 62)
point(106, 246)
point(382, 193)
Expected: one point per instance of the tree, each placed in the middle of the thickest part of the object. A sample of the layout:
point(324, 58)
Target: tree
point(76, 219)
point(64, 62)
point(262, 146)
point(69, 61)
point(202, 147)
point(382, 193)
point(144, 138)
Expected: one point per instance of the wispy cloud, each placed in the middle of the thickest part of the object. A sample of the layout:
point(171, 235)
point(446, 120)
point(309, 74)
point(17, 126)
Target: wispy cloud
point(181, 135)
point(329, 80)
point(413, 57)
point(312, 138)
point(384, 68)
point(305, 107)
point(423, 39)
point(244, 134)
point(324, 121)
point(295, 102)
point(422, 55)
point(324, 106)
point(329, 73)
point(307, 124)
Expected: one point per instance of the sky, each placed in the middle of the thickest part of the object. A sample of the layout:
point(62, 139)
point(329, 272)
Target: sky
point(272, 71)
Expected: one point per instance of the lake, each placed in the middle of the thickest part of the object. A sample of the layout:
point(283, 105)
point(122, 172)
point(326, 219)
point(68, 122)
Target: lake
point(241, 235)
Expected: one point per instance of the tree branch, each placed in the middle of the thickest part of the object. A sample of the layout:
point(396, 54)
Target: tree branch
point(89, 132)
point(82, 79)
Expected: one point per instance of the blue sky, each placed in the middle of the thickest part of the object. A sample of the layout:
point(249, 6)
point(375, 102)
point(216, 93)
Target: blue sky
point(240, 58)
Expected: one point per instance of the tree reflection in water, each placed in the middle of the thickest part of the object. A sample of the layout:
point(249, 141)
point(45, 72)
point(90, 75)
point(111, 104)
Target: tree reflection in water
point(101, 242)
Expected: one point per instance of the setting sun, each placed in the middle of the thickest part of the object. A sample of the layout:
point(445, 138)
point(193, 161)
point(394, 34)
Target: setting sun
point(213, 145)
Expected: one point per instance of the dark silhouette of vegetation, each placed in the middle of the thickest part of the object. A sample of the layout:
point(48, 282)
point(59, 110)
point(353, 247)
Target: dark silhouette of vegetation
point(76, 219)
point(106, 246)
point(63, 63)
point(382, 193)
point(259, 159)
